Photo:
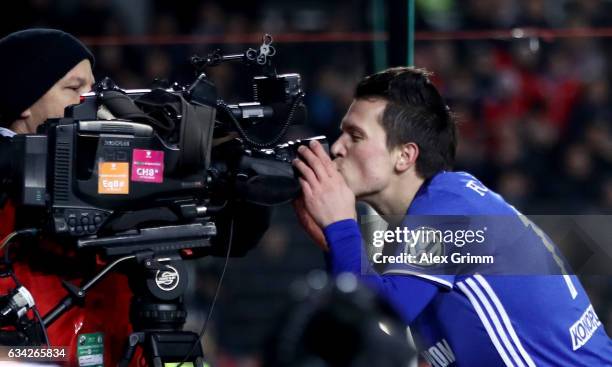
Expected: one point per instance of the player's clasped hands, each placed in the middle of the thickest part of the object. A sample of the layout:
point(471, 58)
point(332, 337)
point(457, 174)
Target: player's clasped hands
point(327, 197)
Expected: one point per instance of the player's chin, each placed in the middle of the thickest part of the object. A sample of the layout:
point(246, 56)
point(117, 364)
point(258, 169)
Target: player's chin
point(354, 188)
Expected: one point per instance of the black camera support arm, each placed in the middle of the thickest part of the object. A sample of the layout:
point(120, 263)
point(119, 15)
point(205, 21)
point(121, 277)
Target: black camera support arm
point(76, 294)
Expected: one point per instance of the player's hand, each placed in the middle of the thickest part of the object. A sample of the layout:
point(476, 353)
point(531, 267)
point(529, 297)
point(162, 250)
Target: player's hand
point(308, 223)
point(327, 197)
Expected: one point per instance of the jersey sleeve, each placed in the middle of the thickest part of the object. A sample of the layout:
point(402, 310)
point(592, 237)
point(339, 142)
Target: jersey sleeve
point(407, 295)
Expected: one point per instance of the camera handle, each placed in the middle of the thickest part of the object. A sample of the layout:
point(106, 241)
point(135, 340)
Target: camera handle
point(76, 294)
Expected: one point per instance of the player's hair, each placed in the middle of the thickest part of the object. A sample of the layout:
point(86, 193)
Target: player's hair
point(415, 112)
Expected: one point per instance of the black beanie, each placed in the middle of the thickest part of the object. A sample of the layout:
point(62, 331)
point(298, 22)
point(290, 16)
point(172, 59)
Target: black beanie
point(31, 62)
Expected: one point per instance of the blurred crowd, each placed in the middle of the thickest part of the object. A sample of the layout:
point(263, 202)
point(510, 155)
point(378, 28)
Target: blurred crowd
point(534, 113)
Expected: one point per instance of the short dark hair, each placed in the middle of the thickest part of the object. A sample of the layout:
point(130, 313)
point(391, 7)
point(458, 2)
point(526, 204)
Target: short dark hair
point(415, 112)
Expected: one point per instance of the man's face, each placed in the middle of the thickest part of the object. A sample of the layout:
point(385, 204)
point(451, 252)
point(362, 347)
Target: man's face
point(361, 151)
point(65, 92)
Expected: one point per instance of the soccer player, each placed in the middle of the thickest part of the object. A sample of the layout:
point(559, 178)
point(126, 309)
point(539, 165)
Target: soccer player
point(396, 152)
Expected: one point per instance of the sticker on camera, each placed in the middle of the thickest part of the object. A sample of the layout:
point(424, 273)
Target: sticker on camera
point(113, 178)
point(148, 165)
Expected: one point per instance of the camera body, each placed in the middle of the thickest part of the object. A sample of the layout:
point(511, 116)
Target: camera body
point(153, 168)
point(93, 169)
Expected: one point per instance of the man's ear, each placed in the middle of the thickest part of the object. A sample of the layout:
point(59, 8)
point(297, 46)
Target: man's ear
point(25, 114)
point(407, 157)
point(20, 125)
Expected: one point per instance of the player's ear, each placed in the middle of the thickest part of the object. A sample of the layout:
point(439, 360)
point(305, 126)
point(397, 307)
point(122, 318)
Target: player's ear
point(407, 155)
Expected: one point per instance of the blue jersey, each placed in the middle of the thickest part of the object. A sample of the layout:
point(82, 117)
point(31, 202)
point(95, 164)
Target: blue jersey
point(521, 308)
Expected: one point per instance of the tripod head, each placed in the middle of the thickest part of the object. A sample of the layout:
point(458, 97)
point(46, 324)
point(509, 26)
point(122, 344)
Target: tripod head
point(157, 313)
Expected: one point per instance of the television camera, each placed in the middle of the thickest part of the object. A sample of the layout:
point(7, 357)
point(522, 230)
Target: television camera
point(159, 176)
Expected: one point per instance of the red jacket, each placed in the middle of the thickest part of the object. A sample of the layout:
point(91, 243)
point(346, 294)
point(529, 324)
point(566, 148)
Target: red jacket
point(106, 307)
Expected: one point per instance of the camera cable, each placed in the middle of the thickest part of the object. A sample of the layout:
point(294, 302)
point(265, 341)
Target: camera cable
point(274, 140)
point(214, 300)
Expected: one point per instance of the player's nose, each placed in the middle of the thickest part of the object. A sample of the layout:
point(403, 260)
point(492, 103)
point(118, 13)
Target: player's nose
point(338, 149)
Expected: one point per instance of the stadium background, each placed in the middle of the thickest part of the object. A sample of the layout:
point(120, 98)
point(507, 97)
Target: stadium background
point(528, 80)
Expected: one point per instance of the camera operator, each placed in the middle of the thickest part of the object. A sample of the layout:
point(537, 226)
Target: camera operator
point(42, 72)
